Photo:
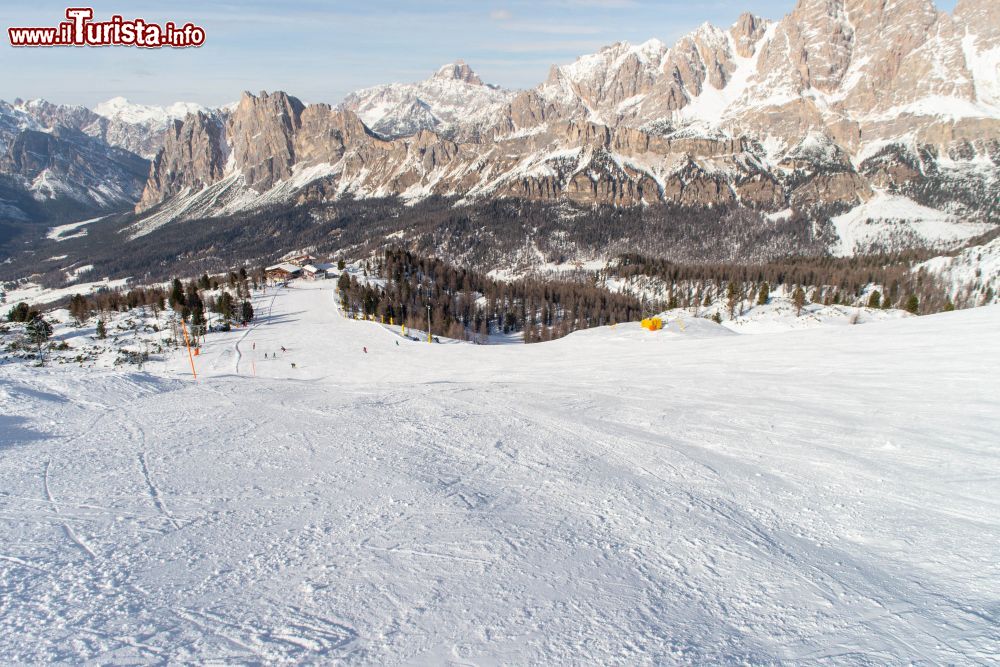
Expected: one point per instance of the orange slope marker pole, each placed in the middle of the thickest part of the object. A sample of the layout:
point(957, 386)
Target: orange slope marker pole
point(187, 342)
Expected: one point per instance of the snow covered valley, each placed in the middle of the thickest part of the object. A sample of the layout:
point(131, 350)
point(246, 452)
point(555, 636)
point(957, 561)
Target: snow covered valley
point(616, 496)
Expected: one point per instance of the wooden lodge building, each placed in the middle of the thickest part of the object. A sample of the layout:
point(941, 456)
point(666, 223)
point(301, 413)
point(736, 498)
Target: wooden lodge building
point(298, 266)
point(282, 272)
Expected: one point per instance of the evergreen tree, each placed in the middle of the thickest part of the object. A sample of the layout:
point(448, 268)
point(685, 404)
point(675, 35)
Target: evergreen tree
point(913, 304)
point(193, 302)
point(799, 300)
point(763, 294)
point(20, 313)
point(224, 306)
point(198, 315)
point(875, 299)
point(176, 299)
point(246, 312)
point(732, 298)
point(102, 331)
point(948, 306)
point(38, 332)
point(672, 303)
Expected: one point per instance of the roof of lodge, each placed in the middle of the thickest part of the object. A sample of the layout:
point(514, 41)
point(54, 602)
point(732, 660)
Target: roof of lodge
point(284, 266)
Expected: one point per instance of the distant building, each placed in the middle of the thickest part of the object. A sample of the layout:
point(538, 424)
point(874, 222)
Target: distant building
point(283, 271)
point(313, 272)
point(300, 260)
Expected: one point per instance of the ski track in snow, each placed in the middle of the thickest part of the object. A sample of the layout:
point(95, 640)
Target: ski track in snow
point(813, 496)
point(249, 330)
point(154, 492)
point(67, 529)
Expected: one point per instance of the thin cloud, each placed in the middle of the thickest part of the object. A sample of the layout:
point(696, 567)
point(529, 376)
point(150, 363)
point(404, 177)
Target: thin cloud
point(551, 28)
point(501, 15)
point(599, 4)
point(549, 46)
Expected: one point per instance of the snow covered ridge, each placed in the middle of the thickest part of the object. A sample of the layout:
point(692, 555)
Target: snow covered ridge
point(75, 161)
point(724, 117)
point(615, 496)
point(780, 116)
point(119, 108)
point(452, 102)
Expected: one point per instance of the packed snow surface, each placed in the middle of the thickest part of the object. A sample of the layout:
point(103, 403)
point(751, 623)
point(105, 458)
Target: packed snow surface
point(617, 496)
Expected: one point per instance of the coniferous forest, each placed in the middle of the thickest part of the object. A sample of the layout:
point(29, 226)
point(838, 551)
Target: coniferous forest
point(468, 305)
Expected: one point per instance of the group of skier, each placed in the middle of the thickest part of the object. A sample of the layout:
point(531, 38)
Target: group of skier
point(272, 355)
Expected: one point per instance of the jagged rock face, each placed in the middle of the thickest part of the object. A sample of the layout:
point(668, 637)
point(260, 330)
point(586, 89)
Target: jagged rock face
point(49, 115)
point(261, 135)
point(454, 102)
point(765, 115)
point(458, 71)
point(193, 156)
point(746, 33)
point(137, 127)
point(47, 160)
point(64, 153)
point(980, 18)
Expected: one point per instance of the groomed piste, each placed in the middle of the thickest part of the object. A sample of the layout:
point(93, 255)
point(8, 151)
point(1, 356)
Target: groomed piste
point(617, 496)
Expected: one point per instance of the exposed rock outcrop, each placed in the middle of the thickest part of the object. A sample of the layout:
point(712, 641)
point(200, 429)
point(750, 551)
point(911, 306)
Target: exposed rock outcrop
point(802, 113)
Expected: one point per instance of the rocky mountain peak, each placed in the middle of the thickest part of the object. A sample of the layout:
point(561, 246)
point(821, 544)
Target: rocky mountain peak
point(458, 71)
point(262, 129)
point(121, 109)
point(767, 115)
point(980, 18)
point(746, 32)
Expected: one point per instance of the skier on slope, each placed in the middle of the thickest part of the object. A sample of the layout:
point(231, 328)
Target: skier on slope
point(365, 350)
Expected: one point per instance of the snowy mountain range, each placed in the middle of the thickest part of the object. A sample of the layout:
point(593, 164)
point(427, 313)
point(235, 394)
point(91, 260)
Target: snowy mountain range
point(454, 103)
point(835, 110)
point(65, 162)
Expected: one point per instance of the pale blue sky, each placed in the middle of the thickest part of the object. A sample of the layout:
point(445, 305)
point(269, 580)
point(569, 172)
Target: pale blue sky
point(320, 51)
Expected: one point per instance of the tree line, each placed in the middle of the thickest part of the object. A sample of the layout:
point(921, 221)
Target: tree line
point(468, 305)
point(883, 281)
point(187, 299)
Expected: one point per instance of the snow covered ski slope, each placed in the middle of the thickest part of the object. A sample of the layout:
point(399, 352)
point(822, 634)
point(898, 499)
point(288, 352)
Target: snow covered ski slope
point(830, 495)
